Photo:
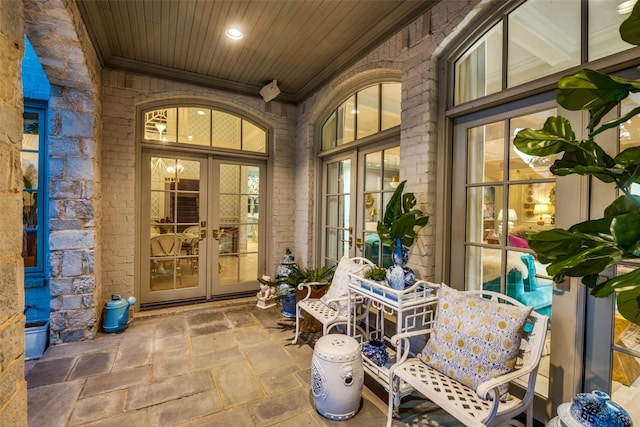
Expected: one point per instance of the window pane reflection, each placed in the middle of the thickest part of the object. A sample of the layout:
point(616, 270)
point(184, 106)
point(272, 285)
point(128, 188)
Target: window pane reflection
point(604, 23)
point(367, 111)
point(479, 71)
point(523, 166)
point(542, 40)
point(485, 153)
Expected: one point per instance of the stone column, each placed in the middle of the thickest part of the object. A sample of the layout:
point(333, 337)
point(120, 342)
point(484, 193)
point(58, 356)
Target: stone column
point(13, 395)
point(72, 207)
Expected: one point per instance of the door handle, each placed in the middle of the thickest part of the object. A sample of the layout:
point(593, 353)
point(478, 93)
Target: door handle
point(218, 233)
point(359, 243)
point(350, 239)
point(203, 230)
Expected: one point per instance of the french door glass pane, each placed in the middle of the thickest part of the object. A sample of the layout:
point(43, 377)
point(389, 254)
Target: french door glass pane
point(174, 215)
point(523, 166)
point(337, 206)
point(237, 230)
point(542, 40)
point(485, 153)
point(482, 223)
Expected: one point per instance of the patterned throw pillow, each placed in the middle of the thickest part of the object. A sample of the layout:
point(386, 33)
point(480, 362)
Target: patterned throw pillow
point(474, 339)
point(340, 284)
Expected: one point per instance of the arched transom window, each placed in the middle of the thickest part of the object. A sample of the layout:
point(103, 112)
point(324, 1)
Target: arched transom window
point(366, 112)
point(204, 127)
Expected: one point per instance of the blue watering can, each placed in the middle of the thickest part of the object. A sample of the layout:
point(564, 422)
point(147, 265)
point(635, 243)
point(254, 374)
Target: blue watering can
point(116, 313)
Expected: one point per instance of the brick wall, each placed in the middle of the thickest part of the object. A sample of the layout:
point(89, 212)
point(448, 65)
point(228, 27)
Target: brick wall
point(13, 388)
point(123, 92)
point(409, 55)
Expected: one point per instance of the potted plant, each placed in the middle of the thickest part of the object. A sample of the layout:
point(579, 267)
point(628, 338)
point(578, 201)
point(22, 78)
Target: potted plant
point(377, 274)
point(588, 248)
point(399, 229)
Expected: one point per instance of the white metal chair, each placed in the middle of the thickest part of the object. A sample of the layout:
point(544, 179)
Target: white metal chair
point(483, 406)
point(331, 309)
point(165, 250)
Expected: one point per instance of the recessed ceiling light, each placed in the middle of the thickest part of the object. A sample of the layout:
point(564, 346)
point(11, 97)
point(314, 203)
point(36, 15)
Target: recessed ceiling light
point(234, 34)
point(200, 112)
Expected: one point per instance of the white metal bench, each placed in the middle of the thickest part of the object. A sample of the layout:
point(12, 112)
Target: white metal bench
point(331, 309)
point(472, 408)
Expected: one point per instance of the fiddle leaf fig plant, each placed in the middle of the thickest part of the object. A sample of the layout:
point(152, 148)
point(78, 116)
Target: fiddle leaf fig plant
point(400, 220)
point(588, 248)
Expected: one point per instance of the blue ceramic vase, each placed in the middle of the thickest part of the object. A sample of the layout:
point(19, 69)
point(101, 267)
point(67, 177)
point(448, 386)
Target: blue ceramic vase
point(596, 410)
point(399, 275)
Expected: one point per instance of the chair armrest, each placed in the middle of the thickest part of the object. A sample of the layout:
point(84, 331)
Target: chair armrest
point(489, 389)
point(405, 336)
point(309, 286)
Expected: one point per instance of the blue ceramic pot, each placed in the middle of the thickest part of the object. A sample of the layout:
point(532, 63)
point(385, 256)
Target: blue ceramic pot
point(596, 410)
point(399, 275)
point(376, 351)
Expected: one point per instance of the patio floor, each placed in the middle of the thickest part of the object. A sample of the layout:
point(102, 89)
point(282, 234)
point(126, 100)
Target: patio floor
point(226, 363)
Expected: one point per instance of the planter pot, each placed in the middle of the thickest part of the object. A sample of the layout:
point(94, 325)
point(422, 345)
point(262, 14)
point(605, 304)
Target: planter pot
point(36, 338)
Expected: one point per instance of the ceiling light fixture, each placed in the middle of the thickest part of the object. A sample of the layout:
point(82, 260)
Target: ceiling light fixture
point(626, 7)
point(234, 34)
point(200, 112)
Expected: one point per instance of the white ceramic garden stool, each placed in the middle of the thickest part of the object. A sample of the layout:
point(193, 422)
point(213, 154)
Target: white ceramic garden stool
point(337, 376)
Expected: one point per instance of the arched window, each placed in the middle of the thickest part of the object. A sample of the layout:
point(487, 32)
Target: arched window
point(204, 127)
point(361, 161)
point(367, 112)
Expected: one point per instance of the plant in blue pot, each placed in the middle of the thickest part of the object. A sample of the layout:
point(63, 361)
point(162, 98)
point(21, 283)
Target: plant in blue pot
point(399, 229)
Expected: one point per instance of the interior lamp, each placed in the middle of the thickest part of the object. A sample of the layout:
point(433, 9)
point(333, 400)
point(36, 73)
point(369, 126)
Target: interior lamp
point(394, 181)
point(511, 217)
point(541, 209)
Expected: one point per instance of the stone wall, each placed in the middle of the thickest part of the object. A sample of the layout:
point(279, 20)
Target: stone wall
point(123, 93)
point(13, 388)
point(409, 55)
point(74, 165)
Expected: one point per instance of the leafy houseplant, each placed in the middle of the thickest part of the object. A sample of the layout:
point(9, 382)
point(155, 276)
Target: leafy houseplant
point(398, 230)
point(588, 248)
point(319, 276)
point(400, 219)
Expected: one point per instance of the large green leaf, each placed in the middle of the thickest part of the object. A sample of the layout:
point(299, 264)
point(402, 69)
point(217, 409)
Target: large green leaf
point(555, 136)
point(630, 28)
point(619, 283)
point(590, 90)
point(625, 230)
point(623, 204)
point(629, 304)
point(394, 207)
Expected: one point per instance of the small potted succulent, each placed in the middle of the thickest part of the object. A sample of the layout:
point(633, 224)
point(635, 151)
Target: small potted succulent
point(377, 274)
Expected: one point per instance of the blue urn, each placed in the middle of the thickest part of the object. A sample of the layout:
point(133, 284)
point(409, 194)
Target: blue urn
point(399, 275)
point(594, 410)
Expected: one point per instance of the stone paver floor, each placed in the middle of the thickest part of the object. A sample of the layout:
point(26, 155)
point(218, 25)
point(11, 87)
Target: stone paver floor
point(216, 364)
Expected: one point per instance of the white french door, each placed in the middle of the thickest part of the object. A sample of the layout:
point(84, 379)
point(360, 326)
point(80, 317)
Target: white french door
point(356, 189)
point(201, 228)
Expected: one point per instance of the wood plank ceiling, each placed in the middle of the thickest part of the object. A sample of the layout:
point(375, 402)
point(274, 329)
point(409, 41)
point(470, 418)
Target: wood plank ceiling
point(300, 43)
